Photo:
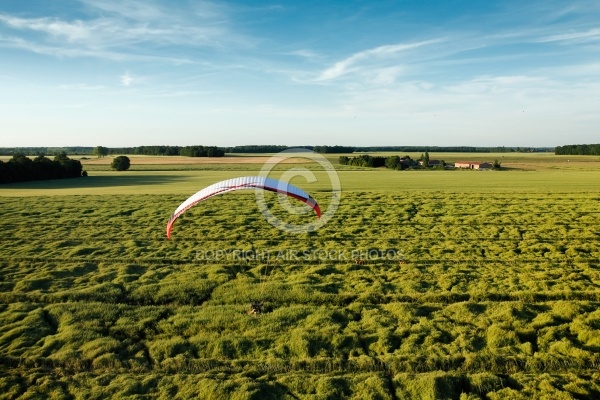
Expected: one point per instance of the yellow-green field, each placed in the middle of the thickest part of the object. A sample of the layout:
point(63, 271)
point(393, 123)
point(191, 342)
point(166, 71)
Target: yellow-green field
point(424, 285)
point(186, 182)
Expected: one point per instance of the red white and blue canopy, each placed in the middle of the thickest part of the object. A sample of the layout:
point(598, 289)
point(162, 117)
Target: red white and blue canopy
point(246, 182)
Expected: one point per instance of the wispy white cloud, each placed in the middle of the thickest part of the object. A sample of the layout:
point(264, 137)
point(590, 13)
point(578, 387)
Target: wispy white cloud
point(113, 33)
point(498, 84)
point(481, 97)
point(386, 76)
point(585, 70)
point(135, 10)
point(81, 86)
point(353, 62)
point(587, 36)
point(128, 79)
point(304, 53)
point(68, 51)
point(74, 31)
point(122, 30)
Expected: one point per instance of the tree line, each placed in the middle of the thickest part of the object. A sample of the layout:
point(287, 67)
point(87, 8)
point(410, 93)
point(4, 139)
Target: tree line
point(214, 151)
point(77, 150)
point(276, 149)
point(453, 149)
point(188, 151)
point(23, 169)
point(260, 148)
point(400, 163)
point(402, 149)
point(392, 162)
point(578, 149)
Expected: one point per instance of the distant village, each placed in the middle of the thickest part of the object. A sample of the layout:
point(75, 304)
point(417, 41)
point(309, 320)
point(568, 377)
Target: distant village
point(406, 162)
point(460, 164)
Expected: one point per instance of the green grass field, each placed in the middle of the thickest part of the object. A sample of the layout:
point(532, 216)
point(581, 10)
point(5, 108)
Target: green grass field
point(359, 180)
point(424, 285)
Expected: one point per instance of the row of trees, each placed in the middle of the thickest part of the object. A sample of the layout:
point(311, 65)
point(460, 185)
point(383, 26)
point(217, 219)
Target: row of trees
point(201, 151)
point(403, 149)
point(363, 161)
point(78, 150)
point(220, 151)
point(392, 162)
point(259, 148)
point(399, 163)
point(333, 149)
point(23, 169)
point(578, 149)
point(188, 151)
point(454, 149)
point(277, 149)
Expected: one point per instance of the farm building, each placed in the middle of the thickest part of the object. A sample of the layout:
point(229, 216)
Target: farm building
point(472, 165)
point(432, 163)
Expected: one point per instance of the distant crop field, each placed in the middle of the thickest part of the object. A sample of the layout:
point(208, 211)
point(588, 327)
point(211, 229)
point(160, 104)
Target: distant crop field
point(176, 160)
point(184, 182)
point(249, 162)
point(425, 284)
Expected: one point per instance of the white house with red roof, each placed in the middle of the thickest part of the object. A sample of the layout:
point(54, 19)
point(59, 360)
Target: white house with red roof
point(473, 165)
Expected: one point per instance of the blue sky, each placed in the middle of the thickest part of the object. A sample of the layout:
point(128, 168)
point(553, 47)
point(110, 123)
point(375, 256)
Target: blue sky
point(451, 72)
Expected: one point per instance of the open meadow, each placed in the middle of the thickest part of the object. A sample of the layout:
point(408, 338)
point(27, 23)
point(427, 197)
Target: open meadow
point(424, 285)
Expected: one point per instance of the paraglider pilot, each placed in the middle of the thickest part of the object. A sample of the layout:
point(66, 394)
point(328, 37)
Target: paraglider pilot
point(256, 307)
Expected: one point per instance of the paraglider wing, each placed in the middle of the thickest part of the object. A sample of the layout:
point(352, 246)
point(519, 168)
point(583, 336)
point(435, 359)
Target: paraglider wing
point(246, 182)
